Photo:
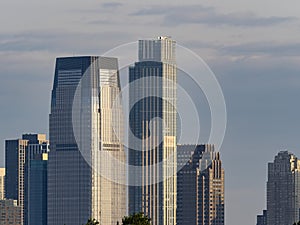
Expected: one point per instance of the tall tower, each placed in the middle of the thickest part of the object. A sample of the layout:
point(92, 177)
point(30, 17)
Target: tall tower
point(35, 180)
point(15, 152)
point(283, 189)
point(200, 187)
point(82, 134)
point(15, 158)
point(153, 125)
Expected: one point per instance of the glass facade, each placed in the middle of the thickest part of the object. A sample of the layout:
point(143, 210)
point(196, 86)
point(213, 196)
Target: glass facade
point(153, 145)
point(35, 191)
point(81, 132)
point(200, 186)
point(15, 152)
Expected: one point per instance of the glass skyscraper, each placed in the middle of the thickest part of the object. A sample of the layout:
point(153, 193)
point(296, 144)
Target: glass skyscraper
point(83, 138)
point(152, 145)
point(200, 186)
point(35, 180)
point(16, 153)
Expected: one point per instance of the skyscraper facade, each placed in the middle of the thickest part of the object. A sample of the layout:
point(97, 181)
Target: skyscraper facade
point(262, 219)
point(35, 190)
point(15, 158)
point(200, 186)
point(15, 151)
point(2, 183)
point(152, 152)
point(83, 139)
point(283, 189)
point(10, 212)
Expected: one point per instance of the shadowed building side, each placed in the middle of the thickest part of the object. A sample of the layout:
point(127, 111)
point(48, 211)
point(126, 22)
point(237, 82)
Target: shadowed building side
point(200, 186)
point(16, 153)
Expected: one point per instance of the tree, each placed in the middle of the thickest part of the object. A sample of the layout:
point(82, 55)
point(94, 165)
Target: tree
point(92, 222)
point(297, 223)
point(136, 219)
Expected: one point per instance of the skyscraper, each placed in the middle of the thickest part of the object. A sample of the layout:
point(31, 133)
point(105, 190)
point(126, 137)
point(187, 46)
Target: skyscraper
point(15, 151)
point(262, 219)
point(10, 212)
point(152, 153)
point(15, 158)
point(2, 183)
point(35, 190)
point(283, 189)
point(200, 186)
point(82, 135)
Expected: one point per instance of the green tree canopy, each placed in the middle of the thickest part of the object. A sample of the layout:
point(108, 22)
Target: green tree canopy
point(136, 219)
point(92, 222)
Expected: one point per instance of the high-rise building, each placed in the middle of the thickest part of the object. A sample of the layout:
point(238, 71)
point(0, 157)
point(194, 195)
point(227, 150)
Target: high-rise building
point(10, 212)
point(283, 189)
point(15, 151)
point(2, 183)
point(82, 135)
point(15, 158)
point(35, 190)
point(262, 219)
point(152, 145)
point(200, 186)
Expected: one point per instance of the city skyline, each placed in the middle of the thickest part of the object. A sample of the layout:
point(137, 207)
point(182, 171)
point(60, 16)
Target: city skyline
point(251, 46)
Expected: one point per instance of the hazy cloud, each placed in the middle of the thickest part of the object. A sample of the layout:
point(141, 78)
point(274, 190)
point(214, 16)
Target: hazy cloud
point(61, 41)
point(263, 48)
point(197, 14)
point(111, 4)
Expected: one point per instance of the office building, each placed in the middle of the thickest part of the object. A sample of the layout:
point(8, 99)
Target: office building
point(15, 158)
point(262, 219)
point(2, 183)
point(283, 189)
point(15, 151)
point(10, 212)
point(200, 186)
point(83, 140)
point(35, 190)
point(152, 153)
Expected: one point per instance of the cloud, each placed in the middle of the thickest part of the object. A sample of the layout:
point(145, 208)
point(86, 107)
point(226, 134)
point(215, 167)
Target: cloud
point(102, 22)
point(197, 14)
point(59, 41)
point(111, 4)
point(258, 51)
point(263, 48)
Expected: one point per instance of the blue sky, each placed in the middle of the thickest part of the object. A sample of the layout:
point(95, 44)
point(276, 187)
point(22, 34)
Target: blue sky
point(253, 47)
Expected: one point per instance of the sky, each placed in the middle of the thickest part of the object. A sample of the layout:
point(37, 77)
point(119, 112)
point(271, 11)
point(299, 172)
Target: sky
point(253, 48)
